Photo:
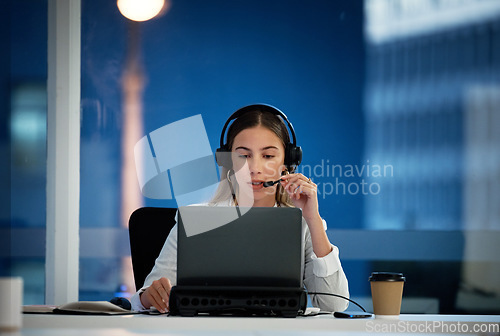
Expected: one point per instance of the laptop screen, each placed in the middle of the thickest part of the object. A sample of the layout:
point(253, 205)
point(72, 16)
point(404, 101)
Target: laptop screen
point(250, 247)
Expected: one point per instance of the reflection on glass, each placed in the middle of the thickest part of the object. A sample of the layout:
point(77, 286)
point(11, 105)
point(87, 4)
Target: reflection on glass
point(140, 10)
point(432, 111)
point(182, 150)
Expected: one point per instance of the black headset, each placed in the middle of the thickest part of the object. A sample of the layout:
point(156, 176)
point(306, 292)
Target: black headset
point(293, 153)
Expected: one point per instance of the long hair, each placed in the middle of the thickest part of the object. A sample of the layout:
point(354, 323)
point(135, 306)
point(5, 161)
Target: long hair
point(252, 119)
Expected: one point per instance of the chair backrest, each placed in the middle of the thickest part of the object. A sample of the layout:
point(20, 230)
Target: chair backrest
point(148, 229)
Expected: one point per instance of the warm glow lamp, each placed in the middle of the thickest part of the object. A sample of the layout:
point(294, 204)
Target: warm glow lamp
point(140, 10)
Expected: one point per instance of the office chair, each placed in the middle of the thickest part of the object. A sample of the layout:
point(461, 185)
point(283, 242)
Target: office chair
point(148, 229)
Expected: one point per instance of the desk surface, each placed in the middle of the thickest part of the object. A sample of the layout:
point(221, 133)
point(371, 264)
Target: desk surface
point(50, 324)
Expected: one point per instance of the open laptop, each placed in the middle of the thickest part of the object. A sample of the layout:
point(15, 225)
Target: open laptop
point(229, 254)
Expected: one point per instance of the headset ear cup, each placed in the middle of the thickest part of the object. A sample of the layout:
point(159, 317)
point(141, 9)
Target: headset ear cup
point(298, 155)
point(223, 158)
point(293, 155)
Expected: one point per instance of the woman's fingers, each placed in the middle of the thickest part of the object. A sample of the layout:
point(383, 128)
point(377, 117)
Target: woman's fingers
point(297, 184)
point(156, 302)
point(159, 293)
point(165, 291)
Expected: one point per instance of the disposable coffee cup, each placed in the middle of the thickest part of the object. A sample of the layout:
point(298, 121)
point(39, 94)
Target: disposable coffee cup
point(387, 293)
point(11, 301)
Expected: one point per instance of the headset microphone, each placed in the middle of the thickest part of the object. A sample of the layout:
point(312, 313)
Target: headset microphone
point(270, 183)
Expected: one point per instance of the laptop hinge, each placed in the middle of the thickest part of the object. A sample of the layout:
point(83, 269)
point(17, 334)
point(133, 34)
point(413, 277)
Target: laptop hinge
point(247, 301)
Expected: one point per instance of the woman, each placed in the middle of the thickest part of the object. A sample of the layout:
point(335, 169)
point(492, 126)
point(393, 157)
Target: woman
point(261, 151)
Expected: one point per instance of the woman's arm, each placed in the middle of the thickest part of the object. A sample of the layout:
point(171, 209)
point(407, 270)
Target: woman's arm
point(163, 276)
point(304, 194)
point(323, 271)
point(325, 275)
point(320, 242)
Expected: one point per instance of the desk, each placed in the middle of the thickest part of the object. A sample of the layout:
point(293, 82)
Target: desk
point(68, 325)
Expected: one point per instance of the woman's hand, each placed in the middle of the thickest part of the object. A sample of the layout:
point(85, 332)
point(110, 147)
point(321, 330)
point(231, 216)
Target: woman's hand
point(303, 193)
point(157, 295)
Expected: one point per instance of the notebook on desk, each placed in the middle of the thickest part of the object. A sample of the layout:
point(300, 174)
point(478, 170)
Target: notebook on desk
point(246, 252)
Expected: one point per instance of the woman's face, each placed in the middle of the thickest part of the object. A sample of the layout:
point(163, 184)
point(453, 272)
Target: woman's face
point(258, 156)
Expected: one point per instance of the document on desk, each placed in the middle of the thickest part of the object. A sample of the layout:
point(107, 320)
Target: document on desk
point(38, 309)
point(80, 308)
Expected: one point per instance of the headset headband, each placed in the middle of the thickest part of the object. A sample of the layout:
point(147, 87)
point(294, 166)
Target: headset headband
point(263, 107)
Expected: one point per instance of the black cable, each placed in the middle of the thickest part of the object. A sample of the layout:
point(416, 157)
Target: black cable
point(340, 296)
point(233, 193)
